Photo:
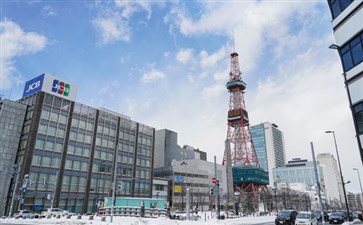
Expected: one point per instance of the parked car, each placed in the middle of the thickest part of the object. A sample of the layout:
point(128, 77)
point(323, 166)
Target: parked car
point(306, 218)
point(287, 217)
point(53, 212)
point(337, 217)
point(25, 214)
point(318, 214)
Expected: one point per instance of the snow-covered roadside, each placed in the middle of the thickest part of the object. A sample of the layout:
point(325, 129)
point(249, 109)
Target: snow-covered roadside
point(140, 221)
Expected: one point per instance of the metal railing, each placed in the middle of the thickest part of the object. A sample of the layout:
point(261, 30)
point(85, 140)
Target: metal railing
point(132, 211)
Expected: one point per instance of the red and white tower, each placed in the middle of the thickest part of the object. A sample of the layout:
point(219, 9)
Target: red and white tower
point(246, 169)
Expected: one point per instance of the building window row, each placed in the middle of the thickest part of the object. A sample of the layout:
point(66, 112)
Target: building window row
point(358, 114)
point(352, 52)
point(338, 6)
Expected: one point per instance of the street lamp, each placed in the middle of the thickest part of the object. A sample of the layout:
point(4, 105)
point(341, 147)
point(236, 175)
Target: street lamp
point(340, 170)
point(360, 183)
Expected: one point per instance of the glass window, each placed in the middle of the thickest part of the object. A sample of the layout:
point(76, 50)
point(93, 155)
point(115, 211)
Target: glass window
point(72, 136)
point(39, 144)
point(58, 147)
point(87, 139)
point(74, 183)
point(36, 160)
point(357, 51)
point(49, 145)
point(76, 165)
point(97, 154)
point(80, 137)
point(55, 162)
point(68, 164)
point(45, 114)
point(48, 99)
point(60, 132)
point(84, 166)
point(57, 102)
point(75, 122)
point(63, 119)
point(42, 128)
point(358, 113)
point(70, 149)
point(89, 126)
point(86, 152)
point(54, 116)
point(46, 161)
point(51, 131)
point(82, 124)
point(78, 151)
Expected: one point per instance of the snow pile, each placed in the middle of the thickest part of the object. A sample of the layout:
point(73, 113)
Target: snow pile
point(140, 221)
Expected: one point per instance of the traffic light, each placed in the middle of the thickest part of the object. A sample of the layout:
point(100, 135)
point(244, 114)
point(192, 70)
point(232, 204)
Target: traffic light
point(44, 181)
point(211, 191)
point(30, 183)
point(119, 185)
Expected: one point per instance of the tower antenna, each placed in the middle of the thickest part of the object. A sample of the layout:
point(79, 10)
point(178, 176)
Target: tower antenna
point(233, 44)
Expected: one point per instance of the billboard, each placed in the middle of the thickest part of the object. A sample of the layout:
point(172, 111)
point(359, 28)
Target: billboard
point(52, 85)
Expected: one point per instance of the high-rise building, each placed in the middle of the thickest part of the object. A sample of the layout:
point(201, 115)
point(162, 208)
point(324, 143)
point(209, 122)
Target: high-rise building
point(167, 149)
point(11, 123)
point(270, 146)
point(333, 186)
point(68, 151)
point(348, 31)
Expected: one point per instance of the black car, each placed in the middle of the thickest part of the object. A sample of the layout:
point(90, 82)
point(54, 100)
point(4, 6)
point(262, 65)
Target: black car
point(318, 215)
point(337, 217)
point(287, 217)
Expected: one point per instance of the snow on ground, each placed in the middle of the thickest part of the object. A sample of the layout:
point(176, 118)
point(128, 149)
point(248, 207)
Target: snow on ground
point(140, 221)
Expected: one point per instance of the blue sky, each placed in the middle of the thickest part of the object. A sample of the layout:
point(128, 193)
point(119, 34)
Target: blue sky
point(165, 64)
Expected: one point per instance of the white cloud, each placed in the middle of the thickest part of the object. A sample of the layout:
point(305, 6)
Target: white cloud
point(48, 11)
point(184, 55)
point(14, 43)
point(212, 60)
point(253, 24)
point(112, 28)
point(113, 20)
point(152, 76)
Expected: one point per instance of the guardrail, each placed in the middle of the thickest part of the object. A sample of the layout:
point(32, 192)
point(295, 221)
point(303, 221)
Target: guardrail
point(132, 211)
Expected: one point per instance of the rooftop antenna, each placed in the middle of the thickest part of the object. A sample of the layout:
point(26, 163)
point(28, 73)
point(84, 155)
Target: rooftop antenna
point(233, 40)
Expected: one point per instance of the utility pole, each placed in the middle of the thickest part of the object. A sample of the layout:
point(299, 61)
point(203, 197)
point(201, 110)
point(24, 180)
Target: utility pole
point(54, 188)
point(114, 185)
point(14, 190)
point(317, 183)
point(217, 184)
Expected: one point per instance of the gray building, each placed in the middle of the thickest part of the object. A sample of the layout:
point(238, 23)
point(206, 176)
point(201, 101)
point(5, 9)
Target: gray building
point(270, 147)
point(12, 116)
point(298, 171)
point(347, 25)
point(167, 149)
point(71, 150)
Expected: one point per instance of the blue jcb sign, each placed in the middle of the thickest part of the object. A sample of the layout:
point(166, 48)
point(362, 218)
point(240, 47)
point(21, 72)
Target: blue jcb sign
point(34, 85)
point(179, 178)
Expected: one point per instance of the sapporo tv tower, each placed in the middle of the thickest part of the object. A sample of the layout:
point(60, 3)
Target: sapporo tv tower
point(243, 169)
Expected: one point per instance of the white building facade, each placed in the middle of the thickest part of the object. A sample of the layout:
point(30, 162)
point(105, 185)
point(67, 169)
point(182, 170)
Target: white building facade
point(348, 31)
point(331, 177)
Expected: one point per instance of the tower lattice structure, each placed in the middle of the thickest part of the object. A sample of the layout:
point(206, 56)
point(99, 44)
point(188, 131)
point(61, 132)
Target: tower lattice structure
point(243, 155)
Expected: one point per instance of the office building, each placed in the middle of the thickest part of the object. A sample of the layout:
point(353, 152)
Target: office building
point(333, 186)
point(12, 116)
point(348, 31)
point(298, 171)
point(270, 147)
point(195, 175)
point(69, 151)
point(167, 149)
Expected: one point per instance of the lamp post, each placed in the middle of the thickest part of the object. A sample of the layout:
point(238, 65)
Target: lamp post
point(340, 170)
point(185, 181)
point(360, 183)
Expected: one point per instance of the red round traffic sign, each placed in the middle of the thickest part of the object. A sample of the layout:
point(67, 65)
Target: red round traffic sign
point(214, 180)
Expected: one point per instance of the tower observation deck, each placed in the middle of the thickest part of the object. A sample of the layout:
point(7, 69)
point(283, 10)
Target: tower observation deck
point(248, 177)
